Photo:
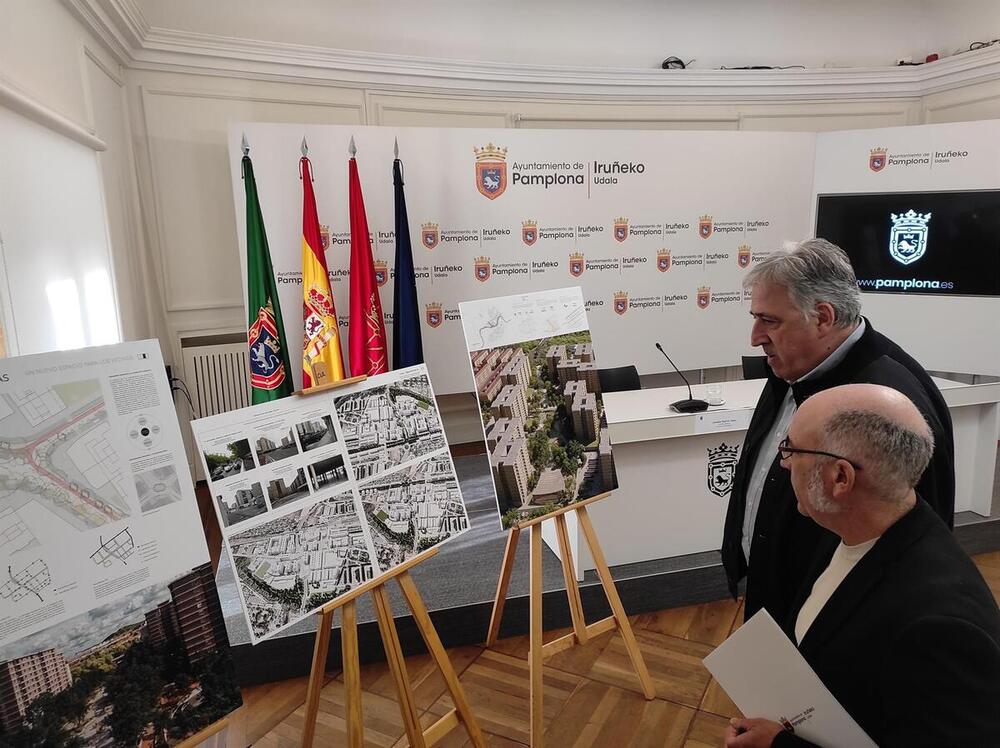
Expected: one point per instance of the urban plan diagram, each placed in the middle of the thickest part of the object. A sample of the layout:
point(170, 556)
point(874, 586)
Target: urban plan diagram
point(289, 566)
point(56, 449)
point(389, 425)
point(413, 509)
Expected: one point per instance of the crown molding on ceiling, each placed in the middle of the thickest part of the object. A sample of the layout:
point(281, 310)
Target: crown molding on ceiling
point(122, 26)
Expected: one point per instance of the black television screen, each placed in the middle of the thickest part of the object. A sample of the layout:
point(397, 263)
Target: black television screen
point(918, 242)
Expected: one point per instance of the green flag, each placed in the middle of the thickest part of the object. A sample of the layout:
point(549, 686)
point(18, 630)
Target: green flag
point(270, 372)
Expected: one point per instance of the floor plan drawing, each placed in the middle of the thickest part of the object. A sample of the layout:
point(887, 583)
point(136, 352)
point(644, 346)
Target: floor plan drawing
point(119, 547)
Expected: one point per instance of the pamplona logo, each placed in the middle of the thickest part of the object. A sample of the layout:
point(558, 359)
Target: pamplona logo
point(743, 255)
point(621, 302)
point(491, 171)
point(876, 159)
point(722, 468)
point(430, 235)
point(381, 272)
point(663, 260)
point(908, 238)
point(577, 264)
point(529, 231)
point(483, 269)
point(704, 297)
point(621, 229)
point(705, 226)
point(435, 314)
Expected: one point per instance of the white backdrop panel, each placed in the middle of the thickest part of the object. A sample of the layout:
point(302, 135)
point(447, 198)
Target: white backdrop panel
point(757, 188)
point(944, 333)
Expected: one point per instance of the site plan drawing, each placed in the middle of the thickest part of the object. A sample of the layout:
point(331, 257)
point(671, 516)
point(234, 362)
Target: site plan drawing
point(539, 394)
point(105, 579)
point(347, 484)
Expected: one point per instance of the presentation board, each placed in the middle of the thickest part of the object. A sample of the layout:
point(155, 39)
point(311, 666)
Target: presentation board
point(535, 369)
point(318, 494)
point(110, 625)
point(657, 228)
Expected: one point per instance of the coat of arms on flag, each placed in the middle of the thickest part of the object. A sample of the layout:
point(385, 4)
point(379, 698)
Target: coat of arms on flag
point(267, 371)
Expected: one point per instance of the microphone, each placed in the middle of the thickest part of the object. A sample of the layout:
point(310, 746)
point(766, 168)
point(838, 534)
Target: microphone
point(684, 406)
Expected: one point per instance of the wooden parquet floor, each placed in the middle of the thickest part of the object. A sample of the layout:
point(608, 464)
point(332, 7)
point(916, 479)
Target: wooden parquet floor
point(592, 697)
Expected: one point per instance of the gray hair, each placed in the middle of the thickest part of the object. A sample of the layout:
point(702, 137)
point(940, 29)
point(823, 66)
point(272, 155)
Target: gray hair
point(814, 271)
point(894, 456)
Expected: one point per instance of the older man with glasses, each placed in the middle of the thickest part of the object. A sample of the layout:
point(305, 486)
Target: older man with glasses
point(897, 623)
point(806, 311)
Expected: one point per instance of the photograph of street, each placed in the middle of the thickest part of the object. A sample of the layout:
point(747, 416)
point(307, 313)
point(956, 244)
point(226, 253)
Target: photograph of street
point(388, 425)
point(288, 567)
point(157, 488)
point(274, 444)
point(149, 670)
point(413, 509)
point(543, 419)
point(327, 472)
point(241, 503)
point(315, 433)
point(236, 458)
point(287, 488)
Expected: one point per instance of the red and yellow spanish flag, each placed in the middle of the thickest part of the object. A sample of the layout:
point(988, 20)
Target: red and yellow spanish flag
point(321, 358)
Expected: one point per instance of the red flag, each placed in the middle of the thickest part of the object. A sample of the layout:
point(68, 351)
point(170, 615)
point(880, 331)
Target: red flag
point(366, 334)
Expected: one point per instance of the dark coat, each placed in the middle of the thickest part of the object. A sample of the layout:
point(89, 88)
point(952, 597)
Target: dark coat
point(785, 544)
point(909, 643)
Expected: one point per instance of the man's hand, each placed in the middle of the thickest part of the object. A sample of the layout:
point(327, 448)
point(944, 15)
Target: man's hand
point(751, 733)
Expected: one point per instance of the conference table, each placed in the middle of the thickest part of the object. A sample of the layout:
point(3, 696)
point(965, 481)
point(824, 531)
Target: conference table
point(675, 470)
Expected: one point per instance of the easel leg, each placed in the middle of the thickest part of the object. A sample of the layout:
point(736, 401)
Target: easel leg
point(322, 646)
point(572, 586)
point(434, 646)
point(608, 582)
point(397, 666)
point(352, 676)
point(501, 597)
point(536, 662)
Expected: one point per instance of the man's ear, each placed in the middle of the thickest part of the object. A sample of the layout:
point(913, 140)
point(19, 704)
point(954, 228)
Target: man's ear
point(843, 478)
point(826, 317)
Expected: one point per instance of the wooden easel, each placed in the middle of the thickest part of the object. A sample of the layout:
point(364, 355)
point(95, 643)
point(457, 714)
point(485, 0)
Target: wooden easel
point(418, 737)
point(582, 633)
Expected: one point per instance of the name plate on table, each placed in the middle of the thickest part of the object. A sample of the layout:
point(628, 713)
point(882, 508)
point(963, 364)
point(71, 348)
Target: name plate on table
point(723, 420)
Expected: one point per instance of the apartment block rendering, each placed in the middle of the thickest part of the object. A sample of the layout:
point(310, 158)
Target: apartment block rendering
point(25, 679)
point(200, 625)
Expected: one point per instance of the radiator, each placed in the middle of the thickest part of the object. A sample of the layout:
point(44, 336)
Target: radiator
point(215, 372)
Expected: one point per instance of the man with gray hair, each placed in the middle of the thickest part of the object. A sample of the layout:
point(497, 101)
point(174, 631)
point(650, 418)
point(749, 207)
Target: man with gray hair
point(898, 623)
point(806, 309)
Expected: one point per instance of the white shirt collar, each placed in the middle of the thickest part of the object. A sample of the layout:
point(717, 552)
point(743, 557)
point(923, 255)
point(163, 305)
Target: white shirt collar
point(838, 355)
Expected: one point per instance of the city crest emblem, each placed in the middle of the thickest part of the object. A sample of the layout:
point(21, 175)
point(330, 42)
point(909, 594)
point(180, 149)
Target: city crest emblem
point(324, 237)
point(877, 159)
point(705, 226)
point(430, 235)
point(267, 370)
point(663, 260)
point(722, 468)
point(743, 256)
point(621, 229)
point(704, 297)
point(529, 232)
point(621, 302)
point(577, 264)
point(491, 171)
point(435, 315)
point(908, 239)
point(483, 269)
point(381, 272)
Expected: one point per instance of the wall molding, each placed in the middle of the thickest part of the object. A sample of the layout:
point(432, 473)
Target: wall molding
point(121, 25)
point(27, 106)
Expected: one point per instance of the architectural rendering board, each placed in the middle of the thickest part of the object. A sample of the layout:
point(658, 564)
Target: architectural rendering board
point(362, 480)
point(110, 624)
point(536, 378)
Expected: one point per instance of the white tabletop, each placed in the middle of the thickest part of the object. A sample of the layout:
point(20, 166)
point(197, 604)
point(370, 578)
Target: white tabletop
point(641, 415)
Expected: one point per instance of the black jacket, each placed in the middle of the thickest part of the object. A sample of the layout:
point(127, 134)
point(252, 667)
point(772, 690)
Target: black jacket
point(785, 543)
point(909, 643)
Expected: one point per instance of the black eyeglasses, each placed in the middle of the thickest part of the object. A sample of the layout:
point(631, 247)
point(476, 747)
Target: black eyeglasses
point(786, 451)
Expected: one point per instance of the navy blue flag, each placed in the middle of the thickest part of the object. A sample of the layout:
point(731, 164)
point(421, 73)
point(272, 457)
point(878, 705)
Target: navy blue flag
point(407, 348)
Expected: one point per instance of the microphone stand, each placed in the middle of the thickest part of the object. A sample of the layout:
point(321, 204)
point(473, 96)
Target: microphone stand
point(684, 406)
